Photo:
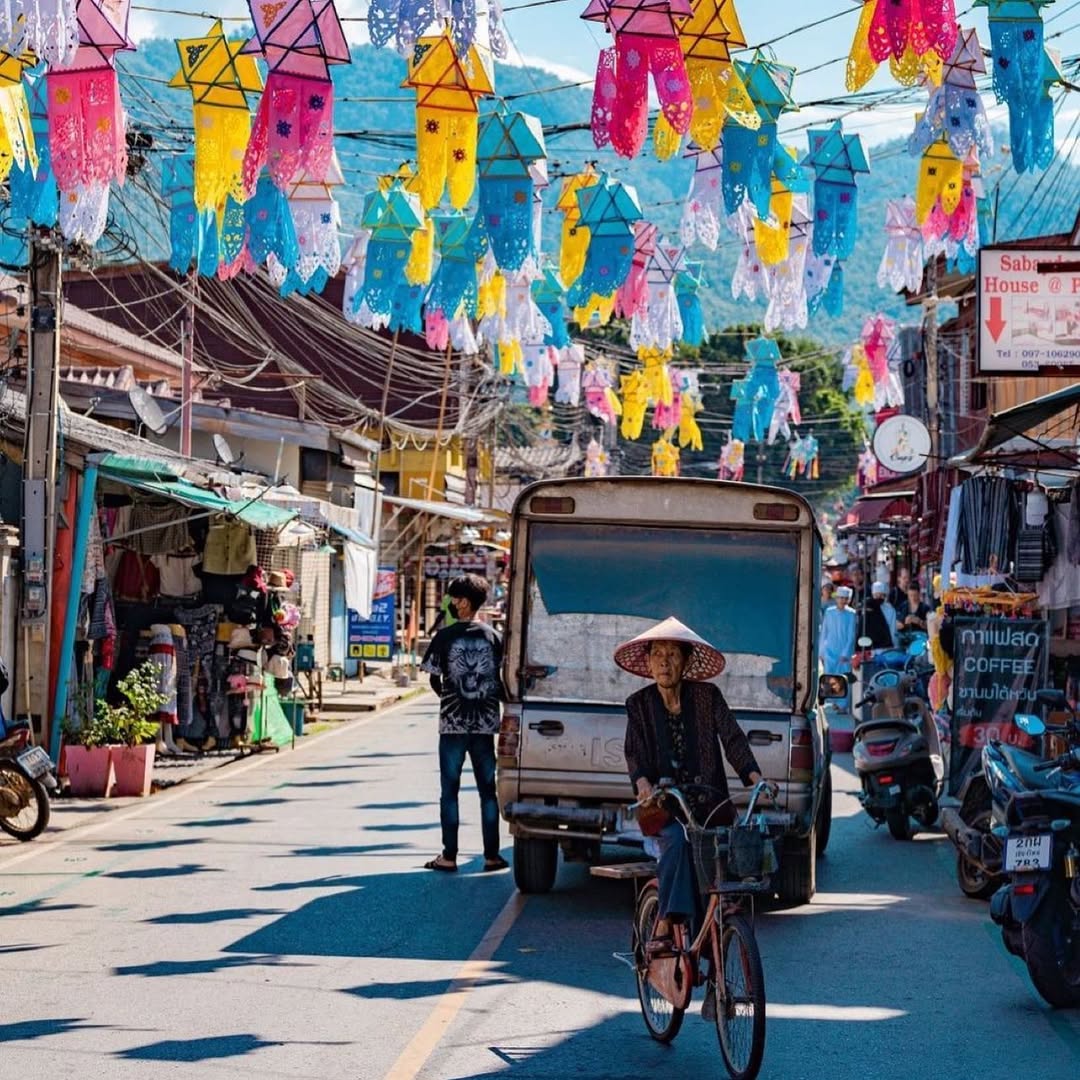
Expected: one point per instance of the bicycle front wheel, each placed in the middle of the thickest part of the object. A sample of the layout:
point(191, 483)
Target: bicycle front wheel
point(740, 998)
point(661, 1017)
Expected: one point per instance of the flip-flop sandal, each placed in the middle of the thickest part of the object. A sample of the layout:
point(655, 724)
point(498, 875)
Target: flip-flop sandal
point(660, 947)
point(496, 864)
point(442, 867)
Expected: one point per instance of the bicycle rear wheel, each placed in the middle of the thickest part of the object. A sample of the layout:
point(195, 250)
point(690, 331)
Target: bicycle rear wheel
point(661, 1017)
point(740, 999)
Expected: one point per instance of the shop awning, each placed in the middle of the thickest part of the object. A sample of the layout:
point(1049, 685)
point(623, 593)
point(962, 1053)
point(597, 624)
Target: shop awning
point(162, 478)
point(468, 514)
point(353, 535)
point(1005, 425)
point(875, 509)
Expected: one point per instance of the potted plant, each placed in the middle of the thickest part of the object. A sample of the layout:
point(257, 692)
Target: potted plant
point(130, 729)
point(87, 757)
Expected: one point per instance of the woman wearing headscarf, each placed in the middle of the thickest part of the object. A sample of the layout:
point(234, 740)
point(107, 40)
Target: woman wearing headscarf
point(676, 728)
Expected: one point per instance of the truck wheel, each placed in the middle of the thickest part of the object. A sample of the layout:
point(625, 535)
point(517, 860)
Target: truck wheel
point(823, 826)
point(536, 862)
point(797, 879)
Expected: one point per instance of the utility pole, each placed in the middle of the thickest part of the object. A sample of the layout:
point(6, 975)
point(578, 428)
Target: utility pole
point(40, 473)
point(186, 377)
point(930, 346)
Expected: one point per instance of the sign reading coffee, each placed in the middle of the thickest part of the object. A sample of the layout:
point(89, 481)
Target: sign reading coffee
point(998, 666)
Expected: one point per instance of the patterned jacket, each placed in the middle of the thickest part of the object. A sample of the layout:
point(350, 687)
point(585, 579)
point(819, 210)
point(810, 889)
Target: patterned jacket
point(709, 724)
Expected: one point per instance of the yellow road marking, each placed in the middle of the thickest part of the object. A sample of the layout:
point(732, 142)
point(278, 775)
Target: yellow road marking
point(424, 1043)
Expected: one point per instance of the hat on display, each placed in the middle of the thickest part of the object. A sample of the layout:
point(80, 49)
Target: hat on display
point(879, 588)
point(249, 656)
point(240, 638)
point(844, 592)
point(704, 663)
point(280, 580)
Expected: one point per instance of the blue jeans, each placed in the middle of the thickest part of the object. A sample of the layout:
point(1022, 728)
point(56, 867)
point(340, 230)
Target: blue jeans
point(676, 881)
point(481, 752)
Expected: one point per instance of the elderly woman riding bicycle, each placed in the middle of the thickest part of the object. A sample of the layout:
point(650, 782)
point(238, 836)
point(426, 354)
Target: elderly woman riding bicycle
point(675, 729)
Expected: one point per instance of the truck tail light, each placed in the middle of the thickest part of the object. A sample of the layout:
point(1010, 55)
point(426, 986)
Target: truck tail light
point(509, 743)
point(801, 757)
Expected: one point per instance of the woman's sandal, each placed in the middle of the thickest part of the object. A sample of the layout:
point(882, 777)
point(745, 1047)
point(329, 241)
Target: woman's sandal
point(660, 947)
point(444, 866)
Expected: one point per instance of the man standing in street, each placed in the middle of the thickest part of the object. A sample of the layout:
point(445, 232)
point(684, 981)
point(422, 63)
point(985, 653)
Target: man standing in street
point(463, 661)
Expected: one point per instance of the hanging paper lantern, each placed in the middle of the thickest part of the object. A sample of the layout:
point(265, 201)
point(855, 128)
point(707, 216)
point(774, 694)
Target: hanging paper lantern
point(219, 79)
point(406, 20)
point(598, 383)
point(454, 287)
point(550, 298)
point(633, 293)
point(755, 396)
point(49, 29)
point(569, 367)
point(786, 411)
point(646, 40)
point(508, 144)
point(659, 323)
point(706, 39)
point(688, 283)
point(749, 154)
point(704, 205)
point(316, 220)
point(609, 210)
point(772, 235)
point(294, 129)
point(836, 159)
point(802, 459)
point(192, 233)
point(634, 394)
point(664, 458)
point(17, 145)
point(34, 196)
point(391, 218)
point(668, 410)
point(690, 405)
point(597, 459)
point(786, 283)
point(575, 237)
point(955, 109)
point(902, 262)
point(448, 87)
point(902, 27)
point(732, 459)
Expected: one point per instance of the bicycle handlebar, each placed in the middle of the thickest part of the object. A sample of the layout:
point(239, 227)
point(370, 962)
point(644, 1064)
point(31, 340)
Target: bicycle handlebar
point(667, 787)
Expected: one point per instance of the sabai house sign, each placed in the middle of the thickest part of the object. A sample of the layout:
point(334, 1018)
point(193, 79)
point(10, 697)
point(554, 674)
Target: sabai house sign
point(902, 444)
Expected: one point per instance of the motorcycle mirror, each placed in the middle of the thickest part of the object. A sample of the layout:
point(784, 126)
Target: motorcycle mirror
point(865, 642)
point(1052, 699)
point(1029, 724)
point(832, 687)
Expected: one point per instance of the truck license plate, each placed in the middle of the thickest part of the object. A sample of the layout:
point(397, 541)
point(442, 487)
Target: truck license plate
point(1027, 853)
point(35, 761)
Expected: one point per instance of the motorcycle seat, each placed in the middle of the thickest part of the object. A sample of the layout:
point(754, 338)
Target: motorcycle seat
point(1023, 763)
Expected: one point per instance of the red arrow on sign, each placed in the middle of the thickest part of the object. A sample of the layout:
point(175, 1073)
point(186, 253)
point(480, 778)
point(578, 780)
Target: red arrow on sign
point(995, 324)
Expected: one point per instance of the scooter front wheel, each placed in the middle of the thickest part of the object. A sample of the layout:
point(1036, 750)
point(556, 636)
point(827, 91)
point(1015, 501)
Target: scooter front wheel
point(899, 824)
point(33, 815)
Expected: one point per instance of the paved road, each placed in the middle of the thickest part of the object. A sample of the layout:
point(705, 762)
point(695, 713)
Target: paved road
point(273, 921)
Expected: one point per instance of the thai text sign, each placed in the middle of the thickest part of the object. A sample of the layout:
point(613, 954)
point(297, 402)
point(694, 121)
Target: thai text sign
point(1028, 310)
point(998, 666)
point(375, 638)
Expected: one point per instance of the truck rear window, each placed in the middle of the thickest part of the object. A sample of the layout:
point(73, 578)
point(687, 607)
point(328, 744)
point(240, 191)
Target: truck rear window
point(594, 586)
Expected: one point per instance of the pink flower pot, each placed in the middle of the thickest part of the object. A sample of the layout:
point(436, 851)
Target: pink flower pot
point(90, 771)
point(133, 765)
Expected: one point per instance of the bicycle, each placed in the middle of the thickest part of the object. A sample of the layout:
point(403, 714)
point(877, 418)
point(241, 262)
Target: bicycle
point(732, 864)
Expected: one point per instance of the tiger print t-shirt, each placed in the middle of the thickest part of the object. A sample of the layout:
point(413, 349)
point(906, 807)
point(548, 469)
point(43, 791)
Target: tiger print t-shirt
point(466, 658)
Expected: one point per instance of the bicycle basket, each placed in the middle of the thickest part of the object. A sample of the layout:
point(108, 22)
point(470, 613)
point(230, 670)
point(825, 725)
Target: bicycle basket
point(751, 853)
point(708, 847)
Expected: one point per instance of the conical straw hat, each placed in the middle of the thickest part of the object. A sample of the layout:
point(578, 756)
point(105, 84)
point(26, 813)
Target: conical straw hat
point(705, 662)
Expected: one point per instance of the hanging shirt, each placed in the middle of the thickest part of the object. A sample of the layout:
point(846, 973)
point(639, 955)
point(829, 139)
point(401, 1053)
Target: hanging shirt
point(230, 548)
point(838, 628)
point(463, 661)
point(177, 573)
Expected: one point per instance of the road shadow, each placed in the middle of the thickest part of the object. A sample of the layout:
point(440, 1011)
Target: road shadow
point(337, 768)
point(220, 823)
point(7, 950)
point(321, 783)
point(393, 805)
point(194, 918)
point(386, 755)
point(399, 827)
point(168, 969)
point(183, 870)
point(42, 904)
point(25, 1030)
point(257, 802)
point(150, 845)
point(418, 988)
point(191, 1050)
point(330, 852)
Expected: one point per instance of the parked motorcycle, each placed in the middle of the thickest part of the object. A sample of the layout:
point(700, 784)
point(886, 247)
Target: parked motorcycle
point(978, 850)
point(1038, 910)
point(26, 778)
point(897, 755)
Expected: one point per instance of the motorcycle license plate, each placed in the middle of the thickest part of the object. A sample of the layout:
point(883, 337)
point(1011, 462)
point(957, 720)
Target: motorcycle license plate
point(1027, 853)
point(35, 761)
point(895, 789)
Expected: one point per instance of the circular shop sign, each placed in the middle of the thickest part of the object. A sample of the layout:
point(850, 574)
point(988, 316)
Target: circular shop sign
point(902, 444)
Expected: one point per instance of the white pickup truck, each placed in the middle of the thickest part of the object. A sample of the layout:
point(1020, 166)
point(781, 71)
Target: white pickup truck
point(595, 562)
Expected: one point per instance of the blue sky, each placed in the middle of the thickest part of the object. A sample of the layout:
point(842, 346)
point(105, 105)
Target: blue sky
point(553, 36)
